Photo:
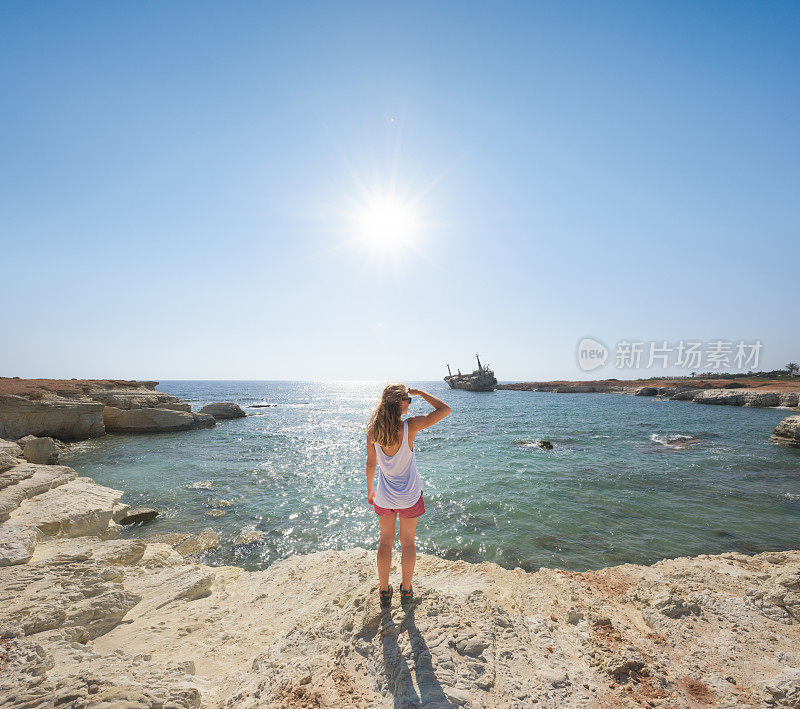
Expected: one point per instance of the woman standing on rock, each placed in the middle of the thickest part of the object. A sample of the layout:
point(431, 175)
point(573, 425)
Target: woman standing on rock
point(390, 441)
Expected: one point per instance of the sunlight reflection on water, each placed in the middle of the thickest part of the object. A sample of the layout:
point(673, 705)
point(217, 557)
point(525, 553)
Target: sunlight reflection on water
point(608, 493)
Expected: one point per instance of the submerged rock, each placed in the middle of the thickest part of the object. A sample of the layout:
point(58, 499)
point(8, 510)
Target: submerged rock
point(198, 543)
point(546, 445)
point(170, 538)
point(248, 535)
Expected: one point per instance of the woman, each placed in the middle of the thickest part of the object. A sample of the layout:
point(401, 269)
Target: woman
point(390, 440)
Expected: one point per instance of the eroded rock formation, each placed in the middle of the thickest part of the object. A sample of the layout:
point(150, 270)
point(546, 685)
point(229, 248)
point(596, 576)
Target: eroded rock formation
point(223, 410)
point(787, 432)
point(58, 417)
point(78, 409)
point(153, 420)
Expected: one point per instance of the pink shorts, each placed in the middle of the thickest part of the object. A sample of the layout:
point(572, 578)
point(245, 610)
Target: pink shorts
point(415, 510)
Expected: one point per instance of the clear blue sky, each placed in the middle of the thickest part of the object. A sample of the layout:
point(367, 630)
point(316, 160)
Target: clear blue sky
point(178, 182)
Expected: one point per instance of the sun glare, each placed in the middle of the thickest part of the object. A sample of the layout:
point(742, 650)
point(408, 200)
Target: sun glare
point(387, 224)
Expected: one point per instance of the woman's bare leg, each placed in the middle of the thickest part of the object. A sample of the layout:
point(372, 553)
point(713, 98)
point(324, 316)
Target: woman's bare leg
point(388, 523)
point(408, 556)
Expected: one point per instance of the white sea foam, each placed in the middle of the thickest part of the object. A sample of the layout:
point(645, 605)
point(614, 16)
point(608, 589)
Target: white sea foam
point(676, 440)
point(201, 485)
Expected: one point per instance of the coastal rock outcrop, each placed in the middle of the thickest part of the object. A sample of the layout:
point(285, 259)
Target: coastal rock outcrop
point(40, 450)
point(137, 514)
point(736, 397)
point(10, 448)
point(58, 418)
point(87, 619)
point(223, 410)
point(153, 420)
point(787, 432)
point(752, 392)
point(685, 394)
point(646, 391)
point(198, 543)
point(136, 399)
point(77, 409)
point(175, 405)
point(741, 397)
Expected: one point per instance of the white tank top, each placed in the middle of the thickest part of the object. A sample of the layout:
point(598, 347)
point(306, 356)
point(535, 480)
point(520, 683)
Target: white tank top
point(399, 484)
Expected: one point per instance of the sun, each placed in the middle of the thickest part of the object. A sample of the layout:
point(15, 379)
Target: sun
point(387, 223)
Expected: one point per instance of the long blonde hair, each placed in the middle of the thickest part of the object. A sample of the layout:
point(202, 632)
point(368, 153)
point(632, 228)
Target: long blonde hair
point(385, 422)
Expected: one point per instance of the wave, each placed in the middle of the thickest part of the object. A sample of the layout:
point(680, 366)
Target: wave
point(675, 440)
point(201, 485)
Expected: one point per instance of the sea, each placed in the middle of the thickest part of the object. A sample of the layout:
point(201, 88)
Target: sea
point(629, 479)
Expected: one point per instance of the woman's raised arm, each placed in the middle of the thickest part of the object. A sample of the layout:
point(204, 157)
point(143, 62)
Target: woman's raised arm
point(440, 410)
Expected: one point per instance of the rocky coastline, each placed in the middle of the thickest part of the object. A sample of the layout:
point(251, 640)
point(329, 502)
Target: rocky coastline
point(89, 618)
point(730, 392)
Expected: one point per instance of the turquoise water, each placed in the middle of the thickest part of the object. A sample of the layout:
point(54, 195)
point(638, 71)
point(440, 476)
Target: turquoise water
point(616, 488)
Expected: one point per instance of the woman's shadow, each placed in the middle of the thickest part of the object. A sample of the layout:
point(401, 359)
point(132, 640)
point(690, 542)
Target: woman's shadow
point(428, 691)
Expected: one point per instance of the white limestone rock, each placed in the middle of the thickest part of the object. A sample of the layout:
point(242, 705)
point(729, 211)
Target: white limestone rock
point(133, 398)
point(198, 543)
point(138, 515)
point(153, 420)
point(7, 462)
point(787, 432)
point(28, 480)
point(59, 417)
point(223, 410)
point(42, 451)
point(10, 448)
point(76, 508)
point(17, 544)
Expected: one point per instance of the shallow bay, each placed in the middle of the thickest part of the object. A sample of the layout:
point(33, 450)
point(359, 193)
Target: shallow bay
point(630, 479)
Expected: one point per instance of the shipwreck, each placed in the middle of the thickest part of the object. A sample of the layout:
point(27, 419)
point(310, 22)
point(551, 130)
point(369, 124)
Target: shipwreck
point(482, 379)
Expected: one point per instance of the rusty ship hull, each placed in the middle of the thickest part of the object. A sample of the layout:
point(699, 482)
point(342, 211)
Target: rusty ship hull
point(482, 379)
